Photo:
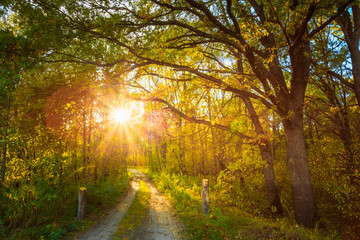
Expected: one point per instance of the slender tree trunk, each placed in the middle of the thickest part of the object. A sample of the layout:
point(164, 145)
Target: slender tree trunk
point(354, 49)
point(310, 130)
point(134, 161)
point(212, 131)
point(124, 152)
point(265, 150)
point(158, 155)
point(355, 60)
point(164, 152)
point(181, 147)
point(269, 174)
point(75, 159)
point(136, 158)
point(96, 170)
point(84, 143)
point(89, 137)
point(202, 155)
point(3, 169)
point(351, 30)
point(149, 150)
point(344, 129)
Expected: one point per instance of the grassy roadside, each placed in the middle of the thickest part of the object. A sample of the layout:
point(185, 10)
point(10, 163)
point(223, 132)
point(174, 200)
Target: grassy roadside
point(225, 222)
point(53, 209)
point(100, 200)
point(135, 214)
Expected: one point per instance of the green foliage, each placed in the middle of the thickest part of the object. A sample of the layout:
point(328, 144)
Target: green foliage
point(134, 216)
point(336, 186)
point(225, 220)
point(193, 58)
point(104, 194)
point(242, 186)
point(40, 210)
point(185, 194)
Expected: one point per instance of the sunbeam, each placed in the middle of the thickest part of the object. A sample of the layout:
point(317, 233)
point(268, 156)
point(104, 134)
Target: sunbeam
point(120, 115)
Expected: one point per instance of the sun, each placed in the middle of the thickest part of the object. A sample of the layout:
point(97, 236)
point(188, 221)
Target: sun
point(120, 115)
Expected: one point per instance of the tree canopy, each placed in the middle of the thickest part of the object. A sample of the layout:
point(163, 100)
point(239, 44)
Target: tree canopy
point(256, 87)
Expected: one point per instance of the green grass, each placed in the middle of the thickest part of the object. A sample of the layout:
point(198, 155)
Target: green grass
point(48, 212)
point(226, 221)
point(135, 214)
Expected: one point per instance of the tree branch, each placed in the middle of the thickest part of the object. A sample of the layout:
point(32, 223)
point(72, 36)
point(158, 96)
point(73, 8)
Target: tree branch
point(192, 119)
point(327, 22)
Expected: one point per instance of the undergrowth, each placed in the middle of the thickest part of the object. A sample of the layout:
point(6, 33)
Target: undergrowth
point(39, 210)
point(226, 221)
point(144, 169)
point(135, 214)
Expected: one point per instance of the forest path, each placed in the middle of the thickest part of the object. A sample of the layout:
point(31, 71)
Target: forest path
point(106, 228)
point(160, 223)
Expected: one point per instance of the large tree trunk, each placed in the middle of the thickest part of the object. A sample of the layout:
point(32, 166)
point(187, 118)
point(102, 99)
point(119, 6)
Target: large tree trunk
point(305, 207)
point(306, 212)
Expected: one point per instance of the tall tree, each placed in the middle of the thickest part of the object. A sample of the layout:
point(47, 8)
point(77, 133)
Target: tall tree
point(207, 39)
point(349, 22)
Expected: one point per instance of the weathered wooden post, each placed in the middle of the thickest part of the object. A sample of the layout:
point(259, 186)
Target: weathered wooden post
point(82, 203)
point(205, 196)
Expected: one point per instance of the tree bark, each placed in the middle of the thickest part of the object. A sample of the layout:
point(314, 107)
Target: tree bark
point(355, 60)
point(352, 37)
point(203, 155)
point(158, 156)
point(5, 142)
point(84, 143)
point(181, 140)
point(341, 121)
point(306, 212)
point(89, 136)
point(149, 150)
point(269, 174)
point(265, 150)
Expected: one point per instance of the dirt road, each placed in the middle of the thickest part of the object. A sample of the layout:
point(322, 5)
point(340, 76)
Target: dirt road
point(159, 224)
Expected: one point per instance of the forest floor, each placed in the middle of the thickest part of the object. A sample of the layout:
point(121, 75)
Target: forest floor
point(160, 222)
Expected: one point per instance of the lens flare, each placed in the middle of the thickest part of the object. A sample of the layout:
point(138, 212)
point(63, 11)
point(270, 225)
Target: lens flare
point(120, 115)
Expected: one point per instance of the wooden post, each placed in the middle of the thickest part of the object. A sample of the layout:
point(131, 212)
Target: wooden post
point(82, 203)
point(205, 196)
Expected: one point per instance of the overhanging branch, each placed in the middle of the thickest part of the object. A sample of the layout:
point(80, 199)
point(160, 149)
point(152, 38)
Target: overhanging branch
point(193, 119)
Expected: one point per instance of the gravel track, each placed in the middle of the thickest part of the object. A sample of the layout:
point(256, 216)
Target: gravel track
point(160, 223)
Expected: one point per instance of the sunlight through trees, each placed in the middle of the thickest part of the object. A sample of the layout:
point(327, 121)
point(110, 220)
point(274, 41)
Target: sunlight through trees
point(261, 97)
